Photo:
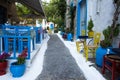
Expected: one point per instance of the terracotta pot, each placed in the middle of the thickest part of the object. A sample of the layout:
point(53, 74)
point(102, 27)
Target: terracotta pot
point(3, 67)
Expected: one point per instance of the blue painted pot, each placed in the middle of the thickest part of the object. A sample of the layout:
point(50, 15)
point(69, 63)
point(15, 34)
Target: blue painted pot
point(61, 33)
point(69, 36)
point(17, 70)
point(100, 52)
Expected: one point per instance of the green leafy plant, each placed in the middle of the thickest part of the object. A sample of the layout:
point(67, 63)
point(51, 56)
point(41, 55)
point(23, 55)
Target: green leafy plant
point(90, 25)
point(21, 58)
point(112, 31)
point(107, 42)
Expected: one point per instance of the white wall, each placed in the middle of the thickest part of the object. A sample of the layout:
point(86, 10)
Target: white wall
point(44, 23)
point(101, 13)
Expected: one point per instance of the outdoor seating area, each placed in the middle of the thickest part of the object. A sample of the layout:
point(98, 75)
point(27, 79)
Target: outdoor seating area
point(105, 61)
point(111, 62)
point(15, 38)
point(91, 49)
point(21, 44)
point(82, 34)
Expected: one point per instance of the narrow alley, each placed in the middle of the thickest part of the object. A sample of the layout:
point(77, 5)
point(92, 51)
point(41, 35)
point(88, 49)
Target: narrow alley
point(59, 39)
point(58, 63)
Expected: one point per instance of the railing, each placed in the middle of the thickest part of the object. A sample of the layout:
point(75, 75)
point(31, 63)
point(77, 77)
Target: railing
point(16, 38)
point(38, 31)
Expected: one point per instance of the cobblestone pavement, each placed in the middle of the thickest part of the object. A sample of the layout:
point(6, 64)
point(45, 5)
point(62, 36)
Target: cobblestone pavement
point(58, 63)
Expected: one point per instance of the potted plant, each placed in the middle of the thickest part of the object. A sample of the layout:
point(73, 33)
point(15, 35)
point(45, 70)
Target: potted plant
point(69, 34)
point(109, 34)
point(106, 44)
point(4, 62)
point(90, 27)
point(102, 50)
point(18, 68)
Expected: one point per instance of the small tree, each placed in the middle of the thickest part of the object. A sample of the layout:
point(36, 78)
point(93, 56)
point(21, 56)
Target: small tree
point(90, 25)
point(113, 30)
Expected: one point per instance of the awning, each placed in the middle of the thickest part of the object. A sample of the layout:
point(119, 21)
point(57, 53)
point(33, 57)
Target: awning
point(34, 5)
point(32, 15)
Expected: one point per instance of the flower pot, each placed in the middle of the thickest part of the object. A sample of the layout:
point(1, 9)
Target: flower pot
point(100, 52)
point(91, 33)
point(69, 36)
point(64, 36)
point(3, 67)
point(17, 70)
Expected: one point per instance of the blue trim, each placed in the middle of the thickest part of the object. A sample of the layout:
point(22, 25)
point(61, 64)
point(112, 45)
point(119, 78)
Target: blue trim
point(17, 34)
point(86, 16)
point(78, 21)
point(78, 31)
point(0, 44)
point(33, 44)
point(14, 48)
point(29, 48)
point(79, 1)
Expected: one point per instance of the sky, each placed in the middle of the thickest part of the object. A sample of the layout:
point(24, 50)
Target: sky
point(35, 68)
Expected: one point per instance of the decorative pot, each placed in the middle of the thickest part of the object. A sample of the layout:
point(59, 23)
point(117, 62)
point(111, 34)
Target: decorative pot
point(100, 52)
point(64, 36)
point(17, 70)
point(69, 36)
point(3, 67)
point(91, 33)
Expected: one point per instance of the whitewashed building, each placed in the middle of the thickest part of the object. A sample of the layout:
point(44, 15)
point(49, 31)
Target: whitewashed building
point(101, 12)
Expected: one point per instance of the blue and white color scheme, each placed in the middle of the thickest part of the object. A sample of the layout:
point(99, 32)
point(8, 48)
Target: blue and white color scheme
point(81, 22)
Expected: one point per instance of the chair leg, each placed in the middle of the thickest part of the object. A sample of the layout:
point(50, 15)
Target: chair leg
point(113, 70)
point(87, 56)
point(103, 67)
point(86, 52)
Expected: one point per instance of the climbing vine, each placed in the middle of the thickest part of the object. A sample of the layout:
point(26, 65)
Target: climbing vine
point(114, 29)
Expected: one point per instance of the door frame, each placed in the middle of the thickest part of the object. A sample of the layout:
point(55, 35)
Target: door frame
point(78, 13)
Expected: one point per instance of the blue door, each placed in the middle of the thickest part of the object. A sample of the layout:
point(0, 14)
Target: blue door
point(81, 18)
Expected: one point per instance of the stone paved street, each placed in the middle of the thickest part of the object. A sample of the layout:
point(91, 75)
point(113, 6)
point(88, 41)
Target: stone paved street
point(58, 63)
